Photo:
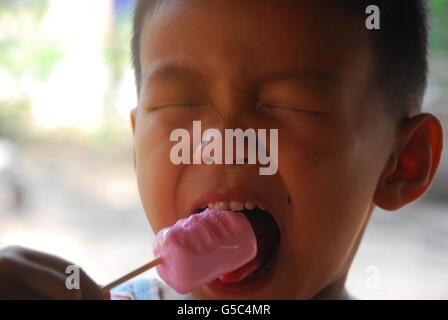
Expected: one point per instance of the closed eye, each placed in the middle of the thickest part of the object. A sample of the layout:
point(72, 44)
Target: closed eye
point(295, 109)
point(155, 108)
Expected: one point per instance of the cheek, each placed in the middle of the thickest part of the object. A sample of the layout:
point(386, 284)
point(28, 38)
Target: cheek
point(331, 180)
point(156, 175)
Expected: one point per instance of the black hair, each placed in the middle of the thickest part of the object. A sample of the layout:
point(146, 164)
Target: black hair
point(142, 9)
point(400, 47)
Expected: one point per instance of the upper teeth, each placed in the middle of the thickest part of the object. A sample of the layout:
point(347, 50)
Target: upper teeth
point(232, 205)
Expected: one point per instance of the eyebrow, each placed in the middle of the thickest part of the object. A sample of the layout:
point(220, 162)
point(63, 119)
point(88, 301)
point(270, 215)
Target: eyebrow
point(301, 77)
point(169, 72)
point(174, 72)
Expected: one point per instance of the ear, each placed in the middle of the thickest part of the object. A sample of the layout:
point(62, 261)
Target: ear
point(413, 164)
point(133, 119)
point(133, 124)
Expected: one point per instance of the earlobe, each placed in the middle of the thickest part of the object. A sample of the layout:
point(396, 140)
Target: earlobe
point(412, 166)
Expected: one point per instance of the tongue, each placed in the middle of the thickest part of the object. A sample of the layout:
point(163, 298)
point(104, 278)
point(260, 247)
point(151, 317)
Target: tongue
point(241, 273)
point(267, 234)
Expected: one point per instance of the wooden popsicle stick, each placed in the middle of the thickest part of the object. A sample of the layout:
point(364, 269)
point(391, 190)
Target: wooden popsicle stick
point(131, 275)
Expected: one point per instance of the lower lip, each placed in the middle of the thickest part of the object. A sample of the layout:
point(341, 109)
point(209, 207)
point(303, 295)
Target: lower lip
point(245, 286)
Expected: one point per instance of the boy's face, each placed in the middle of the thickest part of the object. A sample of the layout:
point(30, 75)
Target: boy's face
point(334, 140)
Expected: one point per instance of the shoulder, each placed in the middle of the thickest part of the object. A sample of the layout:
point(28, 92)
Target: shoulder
point(146, 289)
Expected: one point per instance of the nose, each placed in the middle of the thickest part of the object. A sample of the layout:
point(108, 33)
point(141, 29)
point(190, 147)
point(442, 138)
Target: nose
point(229, 146)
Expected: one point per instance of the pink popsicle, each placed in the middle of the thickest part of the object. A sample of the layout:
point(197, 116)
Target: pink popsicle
point(202, 247)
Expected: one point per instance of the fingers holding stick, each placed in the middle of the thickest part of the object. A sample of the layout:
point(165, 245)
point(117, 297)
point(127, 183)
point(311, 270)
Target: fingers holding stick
point(106, 289)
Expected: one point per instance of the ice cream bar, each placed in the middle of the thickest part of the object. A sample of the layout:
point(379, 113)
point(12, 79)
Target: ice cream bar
point(198, 249)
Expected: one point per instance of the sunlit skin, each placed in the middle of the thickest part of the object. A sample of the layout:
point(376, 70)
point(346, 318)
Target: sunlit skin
point(304, 68)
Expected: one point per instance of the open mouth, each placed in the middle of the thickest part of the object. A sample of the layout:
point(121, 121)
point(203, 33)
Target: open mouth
point(267, 234)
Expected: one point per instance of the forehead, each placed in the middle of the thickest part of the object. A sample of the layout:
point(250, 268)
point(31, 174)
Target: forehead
point(315, 42)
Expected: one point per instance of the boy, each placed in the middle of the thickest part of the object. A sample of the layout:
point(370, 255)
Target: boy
point(346, 102)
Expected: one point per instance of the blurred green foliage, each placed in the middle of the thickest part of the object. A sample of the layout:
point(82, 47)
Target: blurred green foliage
point(27, 54)
point(23, 54)
point(32, 58)
point(116, 50)
point(439, 32)
point(38, 7)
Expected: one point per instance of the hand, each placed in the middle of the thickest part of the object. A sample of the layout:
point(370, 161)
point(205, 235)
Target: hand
point(29, 274)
